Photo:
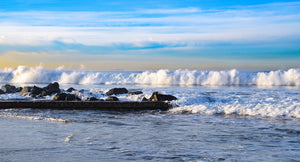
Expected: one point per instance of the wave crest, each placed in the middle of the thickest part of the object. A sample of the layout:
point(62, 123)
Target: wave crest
point(38, 75)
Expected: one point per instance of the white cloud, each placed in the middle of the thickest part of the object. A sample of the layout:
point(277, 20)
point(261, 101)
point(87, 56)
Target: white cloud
point(168, 26)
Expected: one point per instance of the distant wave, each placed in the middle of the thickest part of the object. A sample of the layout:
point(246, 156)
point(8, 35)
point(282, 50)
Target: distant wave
point(39, 75)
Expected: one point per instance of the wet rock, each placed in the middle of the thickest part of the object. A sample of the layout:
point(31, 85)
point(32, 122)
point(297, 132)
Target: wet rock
point(2, 92)
point(50, 89)
point(25, 91)
point(116, 91)
point(135, 93)
point(91, 99)
point(36, 91)
point(111, 98)
point(71, 89)
point(161, 97)
point(65, 97)
point(7, 88)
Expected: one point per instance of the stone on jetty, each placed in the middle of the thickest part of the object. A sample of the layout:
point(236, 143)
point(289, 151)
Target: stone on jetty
point(65, 97)
point(50, 89)
point(116, 91)
point(71, 89)
point(7, 88)
point(25, 91)
point(112, 99)
point(35, 91)
point(161, 97)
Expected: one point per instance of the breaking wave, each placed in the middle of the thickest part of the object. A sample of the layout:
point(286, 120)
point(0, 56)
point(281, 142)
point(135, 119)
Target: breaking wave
point(22, 74)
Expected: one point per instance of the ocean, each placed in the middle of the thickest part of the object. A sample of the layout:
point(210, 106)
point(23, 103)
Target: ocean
point(225, 115)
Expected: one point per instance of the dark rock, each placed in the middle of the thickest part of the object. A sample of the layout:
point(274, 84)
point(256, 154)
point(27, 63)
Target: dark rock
point(25, 91)
point(2, 92)
point(71, 89)
point(145, 99)
point(50, 89)
point(91, 99)
point(36, 91)
point(135, 93)
point(111, 98)
point(65, 97)
point(7, 88)
point(19, 89)
point(161, 97)
point(116, 91)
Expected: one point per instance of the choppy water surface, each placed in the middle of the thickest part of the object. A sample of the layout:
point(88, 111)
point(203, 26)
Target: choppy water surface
point(220, 122)
point(157, 136)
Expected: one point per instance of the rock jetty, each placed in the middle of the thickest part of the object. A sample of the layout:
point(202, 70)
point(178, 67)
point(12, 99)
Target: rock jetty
point(75, 99)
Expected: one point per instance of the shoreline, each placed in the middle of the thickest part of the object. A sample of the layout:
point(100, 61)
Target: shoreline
point(88, 105)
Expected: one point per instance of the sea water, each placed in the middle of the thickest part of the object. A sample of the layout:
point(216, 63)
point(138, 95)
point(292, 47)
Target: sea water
point(219, 116)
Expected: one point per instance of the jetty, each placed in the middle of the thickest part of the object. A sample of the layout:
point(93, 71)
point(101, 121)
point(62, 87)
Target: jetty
point(88, 105)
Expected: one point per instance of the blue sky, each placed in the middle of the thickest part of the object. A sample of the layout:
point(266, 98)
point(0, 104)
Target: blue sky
point(135, 35)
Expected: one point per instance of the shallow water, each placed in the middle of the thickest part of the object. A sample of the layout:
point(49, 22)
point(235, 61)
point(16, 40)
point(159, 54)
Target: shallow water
point(152, 135)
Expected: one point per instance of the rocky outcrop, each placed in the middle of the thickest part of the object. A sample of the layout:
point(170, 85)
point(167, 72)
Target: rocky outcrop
point(111, 99)
point(65, 97)
point(7, 88)
point(35, 91)
point(161, 97)
point(117, 91)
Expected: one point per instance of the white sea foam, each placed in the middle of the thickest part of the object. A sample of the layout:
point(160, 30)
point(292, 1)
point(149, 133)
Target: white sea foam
point(38, 74)
point(259, 109)
point(29, 117)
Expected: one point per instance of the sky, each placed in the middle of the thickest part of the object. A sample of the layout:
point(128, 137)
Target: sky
point(150, 34)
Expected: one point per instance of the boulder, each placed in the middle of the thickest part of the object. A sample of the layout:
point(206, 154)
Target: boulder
point(71, 89)
point(111, 98)
point(36, 91)
point(91, 99)
point(65, 97)
point(116, 91)
point(161, 97)
point(2, 92)
point(25, 91)
point(7, 88)
point(50, 89)
point(135, 93)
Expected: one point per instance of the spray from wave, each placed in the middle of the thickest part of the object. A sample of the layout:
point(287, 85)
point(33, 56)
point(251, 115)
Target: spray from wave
point(39, 75)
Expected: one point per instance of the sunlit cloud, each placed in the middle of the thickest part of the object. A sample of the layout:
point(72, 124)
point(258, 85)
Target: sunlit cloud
point(229, 34)
point(188, 26)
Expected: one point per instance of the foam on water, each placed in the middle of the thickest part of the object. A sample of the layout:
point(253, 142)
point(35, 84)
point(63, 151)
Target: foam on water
point(40, 75)
point(32, 117)
point(259, 97)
